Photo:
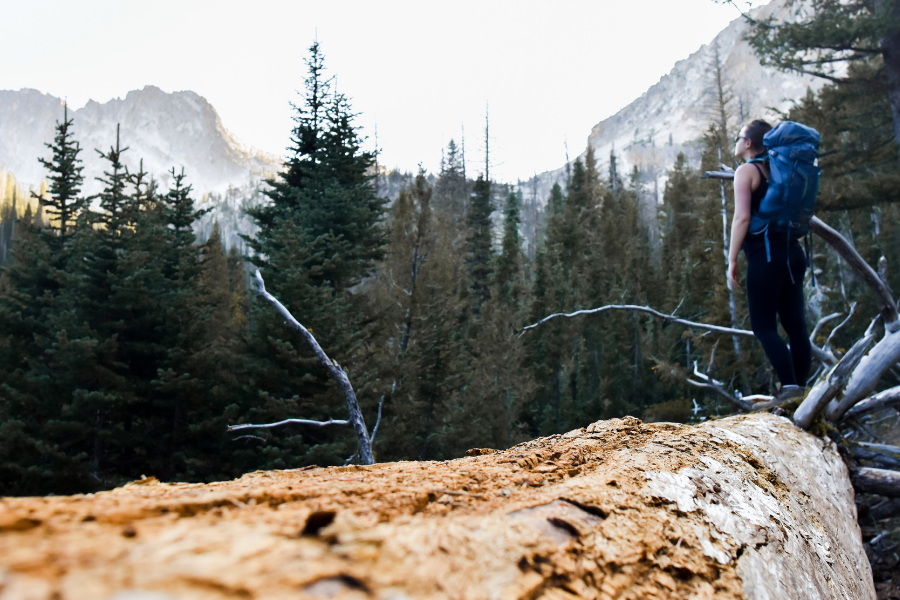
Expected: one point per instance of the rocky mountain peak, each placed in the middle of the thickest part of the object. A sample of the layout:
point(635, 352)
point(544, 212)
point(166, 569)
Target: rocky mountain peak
point(178, 129)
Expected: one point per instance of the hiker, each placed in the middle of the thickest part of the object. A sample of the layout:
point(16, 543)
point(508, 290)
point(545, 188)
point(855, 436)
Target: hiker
point(775, 259)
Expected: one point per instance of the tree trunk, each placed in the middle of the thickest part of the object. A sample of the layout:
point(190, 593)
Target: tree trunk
point(744, 507)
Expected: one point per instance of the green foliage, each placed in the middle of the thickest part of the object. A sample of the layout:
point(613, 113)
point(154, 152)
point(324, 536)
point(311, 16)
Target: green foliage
point(64, 203)
point(817, 35)
point(480, 243)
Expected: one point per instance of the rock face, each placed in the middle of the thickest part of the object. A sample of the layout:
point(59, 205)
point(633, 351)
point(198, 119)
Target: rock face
point(745, 507)
point(165, 130)
point(673, 114)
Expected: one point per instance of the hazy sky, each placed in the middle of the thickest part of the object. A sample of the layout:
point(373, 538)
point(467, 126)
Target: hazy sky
point(419, 70)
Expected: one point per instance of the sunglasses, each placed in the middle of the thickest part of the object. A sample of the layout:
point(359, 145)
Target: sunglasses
point(739, 138)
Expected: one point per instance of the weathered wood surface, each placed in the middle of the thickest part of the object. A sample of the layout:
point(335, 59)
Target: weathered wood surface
point(744, 507)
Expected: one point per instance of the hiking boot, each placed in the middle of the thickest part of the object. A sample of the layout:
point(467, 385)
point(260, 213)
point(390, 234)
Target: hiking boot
point(789, 391)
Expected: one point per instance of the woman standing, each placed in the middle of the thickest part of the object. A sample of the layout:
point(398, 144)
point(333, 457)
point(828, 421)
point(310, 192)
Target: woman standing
point(774, 274)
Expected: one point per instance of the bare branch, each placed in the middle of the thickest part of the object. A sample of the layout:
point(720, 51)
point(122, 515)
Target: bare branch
point(841, 324)
point(827, 387)
point(667, 319)
point(822, 321)
point(866, 376)
point(377, 421)
point(741, 404)
point(288, 421)
point(334, 369)
point(886, 448)
point(860, 451)
point(889, 398)
point(876, 284)
point(726, 175)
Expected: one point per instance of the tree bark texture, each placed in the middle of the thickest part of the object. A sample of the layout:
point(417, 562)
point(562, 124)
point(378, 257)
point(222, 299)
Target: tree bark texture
point(744, 507)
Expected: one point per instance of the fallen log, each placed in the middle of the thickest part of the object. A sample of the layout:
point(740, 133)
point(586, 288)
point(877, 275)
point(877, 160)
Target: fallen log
point(744, 507)
point(877, 481)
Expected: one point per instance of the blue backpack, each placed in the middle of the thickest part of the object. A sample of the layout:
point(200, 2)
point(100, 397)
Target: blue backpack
point(792, 152)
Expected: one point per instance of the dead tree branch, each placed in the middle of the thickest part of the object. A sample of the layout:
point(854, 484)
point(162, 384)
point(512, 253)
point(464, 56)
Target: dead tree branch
point(667, 319)
point(877, 481)
point(882, 292)
point(741, 404)
point(288, 421)
point(830, 385)
point(863, 380)
point(744, 403)
point(889, 398)
point(881, 460)
point(336, 371)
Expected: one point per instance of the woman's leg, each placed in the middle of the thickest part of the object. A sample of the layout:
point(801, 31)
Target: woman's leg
point(792, 312)
point(764, 284)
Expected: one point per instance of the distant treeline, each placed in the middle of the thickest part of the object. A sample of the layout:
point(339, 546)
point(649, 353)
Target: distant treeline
point(127, 346)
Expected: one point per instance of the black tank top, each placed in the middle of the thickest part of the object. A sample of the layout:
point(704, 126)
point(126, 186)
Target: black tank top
point(760, 192)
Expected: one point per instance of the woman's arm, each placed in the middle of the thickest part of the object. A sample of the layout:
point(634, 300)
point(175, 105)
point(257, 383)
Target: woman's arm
point(743, 182)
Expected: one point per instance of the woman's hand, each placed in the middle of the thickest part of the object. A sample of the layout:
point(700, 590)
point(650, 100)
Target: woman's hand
point(734, 275)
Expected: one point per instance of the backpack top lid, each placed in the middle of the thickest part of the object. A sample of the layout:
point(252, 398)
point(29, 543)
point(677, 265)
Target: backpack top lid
point(795, 140)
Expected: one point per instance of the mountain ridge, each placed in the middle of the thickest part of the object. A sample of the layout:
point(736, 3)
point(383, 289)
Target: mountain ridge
point(676, 106)
point(165, 129)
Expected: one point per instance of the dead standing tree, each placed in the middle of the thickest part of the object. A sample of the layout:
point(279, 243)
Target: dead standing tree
point(364, 441)
point(844, 388)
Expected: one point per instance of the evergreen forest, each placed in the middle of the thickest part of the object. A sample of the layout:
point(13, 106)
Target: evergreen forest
point(128, 346)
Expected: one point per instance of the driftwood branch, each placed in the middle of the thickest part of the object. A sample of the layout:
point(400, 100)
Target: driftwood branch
point(744, 405)
point(881, 460)
point(822, 321)
point(377, 421)
point(843, 247)
point(863, 380)
point(877, 481)
point(287, 422)
point(667, 319)
point(825, 354)
point(830, 385)
point(336, 371)
point(889, 398)
point(885, 448)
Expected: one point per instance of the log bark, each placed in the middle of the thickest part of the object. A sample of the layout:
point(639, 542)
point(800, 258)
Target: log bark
point(744, 507)
point(877, 481)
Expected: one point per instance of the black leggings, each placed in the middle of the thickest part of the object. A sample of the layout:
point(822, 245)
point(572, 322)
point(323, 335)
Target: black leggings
point(770, 291)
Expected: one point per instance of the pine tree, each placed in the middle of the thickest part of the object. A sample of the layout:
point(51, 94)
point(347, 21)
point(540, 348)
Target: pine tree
point(838, 32)
point(480, 243)
point(64, 204)
point(319, 236)
point(509, 273)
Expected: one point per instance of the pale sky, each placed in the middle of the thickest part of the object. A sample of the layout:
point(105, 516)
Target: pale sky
point(419, 70)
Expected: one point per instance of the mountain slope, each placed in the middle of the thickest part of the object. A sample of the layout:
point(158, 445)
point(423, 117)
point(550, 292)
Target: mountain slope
point(675, 112)
point(164, 129)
